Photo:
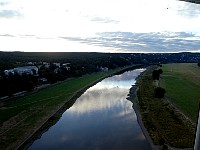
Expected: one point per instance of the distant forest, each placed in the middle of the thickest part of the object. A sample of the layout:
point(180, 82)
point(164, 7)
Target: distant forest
point(72, 65)
point(10, 60)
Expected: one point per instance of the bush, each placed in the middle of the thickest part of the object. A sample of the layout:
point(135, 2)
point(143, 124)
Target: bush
point(156, 74)
point(159, 92)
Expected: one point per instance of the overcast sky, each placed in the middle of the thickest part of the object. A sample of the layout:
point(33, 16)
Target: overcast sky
point(99, 25)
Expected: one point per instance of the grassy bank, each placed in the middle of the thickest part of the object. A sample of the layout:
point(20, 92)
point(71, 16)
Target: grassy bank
point(21, 117)
point(163, 122)
point(182, 82)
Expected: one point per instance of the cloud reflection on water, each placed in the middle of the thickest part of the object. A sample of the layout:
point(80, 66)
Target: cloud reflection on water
point(107, 95)
point(100, 100)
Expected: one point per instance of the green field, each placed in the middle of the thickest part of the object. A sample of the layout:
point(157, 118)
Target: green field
point(19, 118)
point(182, 84)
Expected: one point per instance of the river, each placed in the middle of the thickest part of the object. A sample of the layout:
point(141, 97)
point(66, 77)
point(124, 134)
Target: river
point(101, 118)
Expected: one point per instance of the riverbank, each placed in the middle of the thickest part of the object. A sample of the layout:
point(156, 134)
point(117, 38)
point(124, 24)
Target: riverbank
point(132, 96)
point(23, 117)
point(163, 126)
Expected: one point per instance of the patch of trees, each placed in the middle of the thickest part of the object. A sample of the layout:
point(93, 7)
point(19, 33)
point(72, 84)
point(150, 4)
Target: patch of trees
point(198, 64)
point(15, 83)
point(158, 91)
point(54, 74)
point(156, 74)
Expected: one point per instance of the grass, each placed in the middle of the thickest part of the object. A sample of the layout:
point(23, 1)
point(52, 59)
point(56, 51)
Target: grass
point(21, 117)
point(182, 83)
point(163, 122)
point(50, 96)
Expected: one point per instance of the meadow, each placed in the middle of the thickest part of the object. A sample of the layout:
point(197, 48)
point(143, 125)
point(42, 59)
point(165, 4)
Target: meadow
point(182, 84)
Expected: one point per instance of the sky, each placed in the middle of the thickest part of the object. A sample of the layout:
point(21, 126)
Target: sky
point(129, 26)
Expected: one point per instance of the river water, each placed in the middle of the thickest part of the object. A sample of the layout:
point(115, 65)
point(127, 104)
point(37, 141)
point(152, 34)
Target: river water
point(101, 118)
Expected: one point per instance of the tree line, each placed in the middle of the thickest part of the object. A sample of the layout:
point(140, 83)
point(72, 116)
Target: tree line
point(80, 64)
point(13, 59)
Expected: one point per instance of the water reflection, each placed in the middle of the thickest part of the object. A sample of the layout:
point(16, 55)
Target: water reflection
point(98, 100)
point(101, 118)
point(106, 94)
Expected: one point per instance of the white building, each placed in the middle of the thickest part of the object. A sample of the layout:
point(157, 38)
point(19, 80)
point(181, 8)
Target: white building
point(57, 65)
point(103, 69)
point(9, 71)
point(66, 65)
point(33, 70)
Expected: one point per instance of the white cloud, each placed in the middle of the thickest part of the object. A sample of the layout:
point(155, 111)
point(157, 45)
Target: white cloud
point(83, 19)
point(9, 13)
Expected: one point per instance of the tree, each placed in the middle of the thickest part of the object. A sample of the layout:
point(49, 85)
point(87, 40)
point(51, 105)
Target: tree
point(160, 71)
point(198, 64)
point(159, 92)
point(156, 74)
point(28, 82)
point(34, 71)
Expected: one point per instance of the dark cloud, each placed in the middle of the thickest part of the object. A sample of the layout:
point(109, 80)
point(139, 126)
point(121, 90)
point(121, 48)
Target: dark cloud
point(146, 42)
point(9, 13)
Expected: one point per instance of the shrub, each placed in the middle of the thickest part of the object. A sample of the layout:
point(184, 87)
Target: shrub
point(156, 74)
point(159, 92)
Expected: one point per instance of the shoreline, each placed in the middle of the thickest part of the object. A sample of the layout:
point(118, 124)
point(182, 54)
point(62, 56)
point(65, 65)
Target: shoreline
point(133, 97)
point(53, 118)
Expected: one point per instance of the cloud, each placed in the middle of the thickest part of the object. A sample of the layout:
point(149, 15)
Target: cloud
point(9, 10)
point(9, 13)
point(7, 35)
point(103, 20)
point(26, 36)
point(188, 10)
point(4, 3)
point(145, 42)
